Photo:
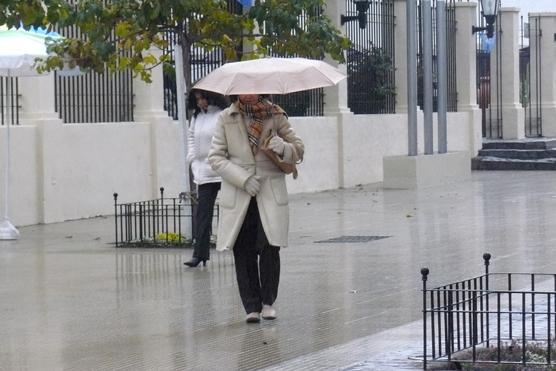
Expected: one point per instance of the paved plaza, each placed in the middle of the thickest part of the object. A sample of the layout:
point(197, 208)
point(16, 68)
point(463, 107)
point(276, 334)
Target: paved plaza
point(70, 300)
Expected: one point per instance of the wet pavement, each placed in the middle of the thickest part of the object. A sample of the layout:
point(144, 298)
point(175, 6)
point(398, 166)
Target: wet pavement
point(70, 300)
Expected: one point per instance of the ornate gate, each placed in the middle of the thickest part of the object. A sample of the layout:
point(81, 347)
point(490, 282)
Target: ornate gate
point(530, 73)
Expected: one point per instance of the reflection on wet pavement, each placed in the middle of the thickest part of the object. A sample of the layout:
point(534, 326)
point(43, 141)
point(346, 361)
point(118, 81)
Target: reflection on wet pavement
point(70, 300)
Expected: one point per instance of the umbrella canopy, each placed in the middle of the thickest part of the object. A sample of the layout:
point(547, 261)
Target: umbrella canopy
point(270, 76)
point(20, 48)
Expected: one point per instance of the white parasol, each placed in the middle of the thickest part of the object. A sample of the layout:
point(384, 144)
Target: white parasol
point(270, 76)
point(19, 49)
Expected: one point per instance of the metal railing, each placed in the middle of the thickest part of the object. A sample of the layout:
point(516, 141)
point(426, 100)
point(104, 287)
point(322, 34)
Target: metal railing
point(93, 97)
point(483, 86)
point(202, 63)
point(371, 60)
point(452, 98)
point(169, 76)
point(530, 73)
point(162, 222)
point(305, 103)
point(9, 101)
point(495, 318)
point(489, 78)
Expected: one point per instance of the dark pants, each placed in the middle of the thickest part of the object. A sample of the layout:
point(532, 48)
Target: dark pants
point(203, 219)
point(257, 263)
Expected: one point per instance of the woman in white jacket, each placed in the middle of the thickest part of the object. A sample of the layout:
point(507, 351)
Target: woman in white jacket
point(207, 108)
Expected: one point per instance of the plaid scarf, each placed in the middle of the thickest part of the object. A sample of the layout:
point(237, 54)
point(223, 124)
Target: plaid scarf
point(257, 113)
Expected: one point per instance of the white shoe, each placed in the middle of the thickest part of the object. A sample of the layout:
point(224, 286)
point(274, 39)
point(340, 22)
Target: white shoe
point(253, 317)
point(269, 312)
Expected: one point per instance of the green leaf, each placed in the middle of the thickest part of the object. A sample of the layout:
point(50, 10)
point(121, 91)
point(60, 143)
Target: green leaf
point(119, 32)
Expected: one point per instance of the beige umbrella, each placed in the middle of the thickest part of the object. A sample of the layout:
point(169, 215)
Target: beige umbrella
point(270, 76)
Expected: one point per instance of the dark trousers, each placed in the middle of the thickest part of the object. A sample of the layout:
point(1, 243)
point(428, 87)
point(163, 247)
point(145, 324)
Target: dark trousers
point(203, 219)
point(257, 263)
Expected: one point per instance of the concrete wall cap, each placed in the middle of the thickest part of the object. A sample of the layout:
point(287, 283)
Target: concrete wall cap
point(510, 9)
point(544, 14)
point(466, 5)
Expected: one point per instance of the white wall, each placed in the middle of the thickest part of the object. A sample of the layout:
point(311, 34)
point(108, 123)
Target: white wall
point(366, 140)
point(24, 187)
point(69, 171)
point(319, 170)
point(61, 172)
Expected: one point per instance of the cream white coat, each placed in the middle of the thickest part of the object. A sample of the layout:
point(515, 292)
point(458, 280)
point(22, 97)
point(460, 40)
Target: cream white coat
point(231, 157)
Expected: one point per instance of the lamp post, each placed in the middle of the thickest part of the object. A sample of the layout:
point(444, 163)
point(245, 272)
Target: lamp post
point(489, 11)
point(362, 6)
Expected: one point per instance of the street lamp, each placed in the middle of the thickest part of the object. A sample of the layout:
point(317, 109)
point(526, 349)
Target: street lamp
point(490, 8)
point(362, 6)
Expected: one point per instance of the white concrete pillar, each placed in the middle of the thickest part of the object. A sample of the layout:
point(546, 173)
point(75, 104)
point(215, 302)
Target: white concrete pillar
point(543, 54)
point(466, 60)
point(37, 98)
point(38, 109)
point(149, 108)
point(335, 97)
point(466, 71)
point(513, 119)
point(400, 50)
point(149, 97)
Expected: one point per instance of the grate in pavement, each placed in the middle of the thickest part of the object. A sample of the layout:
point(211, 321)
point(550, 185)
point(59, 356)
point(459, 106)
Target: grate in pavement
point(352, 239)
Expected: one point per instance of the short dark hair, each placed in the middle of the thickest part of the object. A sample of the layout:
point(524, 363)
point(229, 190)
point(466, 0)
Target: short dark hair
point(213, 99)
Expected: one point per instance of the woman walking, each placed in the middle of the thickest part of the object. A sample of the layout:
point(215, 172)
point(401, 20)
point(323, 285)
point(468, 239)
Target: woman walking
point(207, 108)
point(254, 200)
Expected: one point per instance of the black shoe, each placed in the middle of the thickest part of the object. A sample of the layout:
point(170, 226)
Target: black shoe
point(195, 262)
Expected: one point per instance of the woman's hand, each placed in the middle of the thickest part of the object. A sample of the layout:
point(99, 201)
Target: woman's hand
point(277, 145)
point(253, 185)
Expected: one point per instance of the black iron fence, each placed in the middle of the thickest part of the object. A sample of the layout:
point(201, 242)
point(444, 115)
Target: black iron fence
point(530, 73)
point(93, 97)
point(371, 60)
point(452, 98)
point(162, 222)
point(483, 85)
point(303, 103)
point(495, 318)
point(203, 61)
point(169, 76)
point(9, 101)
point(451, 58)
point(489, 77)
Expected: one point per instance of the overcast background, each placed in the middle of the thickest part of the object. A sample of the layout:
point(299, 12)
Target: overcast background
point(531, 6)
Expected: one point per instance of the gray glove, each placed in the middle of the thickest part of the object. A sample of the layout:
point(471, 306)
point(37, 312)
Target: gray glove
point(277, 145)
point(253, 185)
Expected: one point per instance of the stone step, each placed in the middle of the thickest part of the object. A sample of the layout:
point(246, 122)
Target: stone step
point(497, 163)
point(544, 143)
point(520, 154)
